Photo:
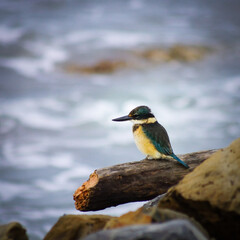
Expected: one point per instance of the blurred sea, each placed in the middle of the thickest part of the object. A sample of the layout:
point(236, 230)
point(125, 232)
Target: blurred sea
point(56, 128)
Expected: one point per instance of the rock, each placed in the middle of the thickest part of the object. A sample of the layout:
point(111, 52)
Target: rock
point(175, 229)
point(181, 53)
point(71, 227)
point(102, 67)
point(13, 231)
point(211, 193)
point(153, 202)
point(150, 215)
point(130, 218)
point(155, 55)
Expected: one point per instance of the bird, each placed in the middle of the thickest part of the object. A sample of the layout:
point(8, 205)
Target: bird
point(150, 136)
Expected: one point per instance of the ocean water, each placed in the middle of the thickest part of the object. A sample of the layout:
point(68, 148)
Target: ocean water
point(56, 128)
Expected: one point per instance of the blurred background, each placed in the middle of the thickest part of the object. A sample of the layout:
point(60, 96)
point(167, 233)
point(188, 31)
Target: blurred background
point(68, 67)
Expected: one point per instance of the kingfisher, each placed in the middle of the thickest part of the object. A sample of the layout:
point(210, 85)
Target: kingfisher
point(150, 136)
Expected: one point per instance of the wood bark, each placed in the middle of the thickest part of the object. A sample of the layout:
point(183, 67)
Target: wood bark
point(133, 181)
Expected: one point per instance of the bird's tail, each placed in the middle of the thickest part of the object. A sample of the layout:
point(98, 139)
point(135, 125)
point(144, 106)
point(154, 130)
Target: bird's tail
point(179, 160)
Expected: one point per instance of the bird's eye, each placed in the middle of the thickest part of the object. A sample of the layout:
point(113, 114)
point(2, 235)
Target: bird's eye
point(136, 116)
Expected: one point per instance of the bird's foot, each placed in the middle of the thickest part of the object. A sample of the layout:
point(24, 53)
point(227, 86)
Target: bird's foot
point(149, 157)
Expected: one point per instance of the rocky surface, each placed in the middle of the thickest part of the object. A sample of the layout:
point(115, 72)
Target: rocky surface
point(175, 229)
point(152, 203)
point(130, 218)
point(102, 67)
point(13, 231)
point(136, 58)
point(211, 193)
point(148, 215)
point(180, 53)
point(204, 204)
point(72, 227)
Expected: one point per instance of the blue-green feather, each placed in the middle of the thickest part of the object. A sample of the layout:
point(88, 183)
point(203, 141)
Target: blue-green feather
point(162, 149)
point(179, 160)
point(159, 137)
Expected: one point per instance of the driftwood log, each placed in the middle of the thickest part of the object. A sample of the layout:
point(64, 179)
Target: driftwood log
point(133, 181)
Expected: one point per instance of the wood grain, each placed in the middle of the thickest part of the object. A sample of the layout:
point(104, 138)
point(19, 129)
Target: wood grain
point(133, 181)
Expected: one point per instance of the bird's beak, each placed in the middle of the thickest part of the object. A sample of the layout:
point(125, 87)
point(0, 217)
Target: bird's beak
point(124, 118)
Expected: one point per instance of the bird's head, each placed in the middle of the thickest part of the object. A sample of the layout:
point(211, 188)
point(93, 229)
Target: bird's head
point(138, 115)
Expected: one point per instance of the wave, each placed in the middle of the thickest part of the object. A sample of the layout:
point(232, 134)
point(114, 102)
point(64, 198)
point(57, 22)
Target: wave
point(43, 59)
point(9, 35)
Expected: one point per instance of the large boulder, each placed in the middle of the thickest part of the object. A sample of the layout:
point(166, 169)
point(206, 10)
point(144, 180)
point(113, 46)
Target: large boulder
point(211, 193)
point(73, 227)
point(13, 231)
point(175, 229)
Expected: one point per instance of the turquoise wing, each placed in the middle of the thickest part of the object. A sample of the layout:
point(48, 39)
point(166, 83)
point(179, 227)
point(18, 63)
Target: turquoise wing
point(159, 137)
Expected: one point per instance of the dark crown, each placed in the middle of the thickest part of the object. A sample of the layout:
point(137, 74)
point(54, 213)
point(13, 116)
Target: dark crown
point(141, 112)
